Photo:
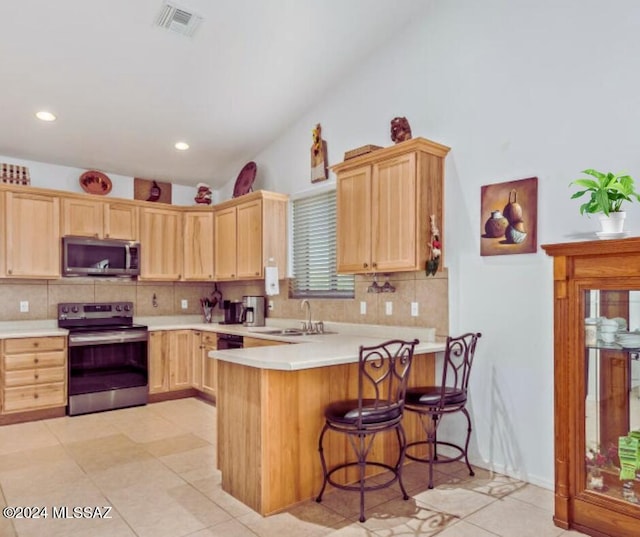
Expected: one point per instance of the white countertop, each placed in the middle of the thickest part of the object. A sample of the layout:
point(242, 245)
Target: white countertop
point(322, 351)
point(306, 351)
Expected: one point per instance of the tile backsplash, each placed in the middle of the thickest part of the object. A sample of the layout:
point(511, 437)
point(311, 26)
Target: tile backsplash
point(430, 293)
point(43, 296)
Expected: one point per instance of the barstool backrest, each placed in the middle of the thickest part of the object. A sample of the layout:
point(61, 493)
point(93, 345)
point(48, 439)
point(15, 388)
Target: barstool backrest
point(456, 369)
point(382, 380)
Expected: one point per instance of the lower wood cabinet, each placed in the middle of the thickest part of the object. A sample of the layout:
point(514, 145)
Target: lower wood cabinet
point(33, 373)
point(170, 360)
point(205, 368)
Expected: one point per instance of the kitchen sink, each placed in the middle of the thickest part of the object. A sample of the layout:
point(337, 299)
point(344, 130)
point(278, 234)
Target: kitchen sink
point(294, 332)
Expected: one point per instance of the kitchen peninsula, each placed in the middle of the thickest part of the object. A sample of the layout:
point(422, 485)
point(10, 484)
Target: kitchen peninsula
point(270, 412)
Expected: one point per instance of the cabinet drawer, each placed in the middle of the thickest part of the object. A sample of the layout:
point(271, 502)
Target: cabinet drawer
point(33, 397)
point(23, 377)
point(34, 360)
point(18, 345)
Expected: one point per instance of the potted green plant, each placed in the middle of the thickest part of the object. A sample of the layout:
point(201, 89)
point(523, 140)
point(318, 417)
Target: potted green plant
point(607, 193)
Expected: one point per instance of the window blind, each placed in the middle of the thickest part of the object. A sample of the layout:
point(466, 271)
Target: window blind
point(314, 250)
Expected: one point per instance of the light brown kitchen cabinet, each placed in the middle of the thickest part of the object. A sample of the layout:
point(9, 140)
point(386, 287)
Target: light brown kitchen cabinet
point(384, 203)
point(33, 374)
point(96, 218)
point(198, 245)
point(597, 386)
point(170, 360)
point(249, 232)
point(31, 235)
point(161, 244)
point(205, 368)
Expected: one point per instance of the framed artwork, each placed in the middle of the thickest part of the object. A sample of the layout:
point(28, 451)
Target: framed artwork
point(509, 217)
point(150, 190)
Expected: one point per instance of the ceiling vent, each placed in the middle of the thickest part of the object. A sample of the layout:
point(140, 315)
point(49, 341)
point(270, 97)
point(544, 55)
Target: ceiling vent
point(178, 20)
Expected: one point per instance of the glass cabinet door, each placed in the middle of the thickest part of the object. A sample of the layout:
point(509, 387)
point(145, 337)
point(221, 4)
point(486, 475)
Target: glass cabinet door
point(612, 393)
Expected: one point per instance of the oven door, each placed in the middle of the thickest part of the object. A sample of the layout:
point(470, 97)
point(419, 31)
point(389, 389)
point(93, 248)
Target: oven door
point(107, 369)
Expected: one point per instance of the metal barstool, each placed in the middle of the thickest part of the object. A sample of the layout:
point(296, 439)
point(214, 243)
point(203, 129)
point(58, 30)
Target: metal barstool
point(382, 383)
point(431, 403)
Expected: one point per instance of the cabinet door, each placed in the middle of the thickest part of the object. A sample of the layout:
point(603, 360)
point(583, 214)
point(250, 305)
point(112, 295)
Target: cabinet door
point(121, 221)
point(393, 216)
point(209, 365)
point(354, 221)
point(83, 218)
point(180, 359)
point(161, 244)
point(224, 244)
point(158, 363)
point(32, 227)
point(198, 246)
point(249, 240)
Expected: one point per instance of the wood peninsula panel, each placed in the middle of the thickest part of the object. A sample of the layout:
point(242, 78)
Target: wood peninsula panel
point(269, 422)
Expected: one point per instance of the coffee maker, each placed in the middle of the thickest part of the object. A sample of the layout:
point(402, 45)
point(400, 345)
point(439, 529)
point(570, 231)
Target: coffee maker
point(232, 312)
point(253, 310)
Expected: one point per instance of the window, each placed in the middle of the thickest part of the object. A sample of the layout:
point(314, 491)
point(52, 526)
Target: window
point(314, 249)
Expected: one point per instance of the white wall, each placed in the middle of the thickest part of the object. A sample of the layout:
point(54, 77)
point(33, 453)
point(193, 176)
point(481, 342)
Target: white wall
point(516, 89)
point(44, 175)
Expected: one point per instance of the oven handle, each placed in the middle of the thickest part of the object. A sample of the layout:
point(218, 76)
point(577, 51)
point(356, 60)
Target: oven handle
point(78, 340)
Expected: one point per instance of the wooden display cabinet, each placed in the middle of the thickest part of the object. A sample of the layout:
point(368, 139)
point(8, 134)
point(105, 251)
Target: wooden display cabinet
point(384, 202)
point(597, 385)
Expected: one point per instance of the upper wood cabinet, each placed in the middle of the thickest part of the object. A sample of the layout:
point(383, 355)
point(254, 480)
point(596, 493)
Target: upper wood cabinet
point(161, 244)
point(249, 231)
point(384, 201)
point(198, 245)
point(100, 219)
point(31, 235)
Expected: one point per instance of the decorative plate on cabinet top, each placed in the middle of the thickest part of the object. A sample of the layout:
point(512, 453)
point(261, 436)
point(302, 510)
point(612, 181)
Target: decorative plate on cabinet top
point(95, 182)
point(245, 179)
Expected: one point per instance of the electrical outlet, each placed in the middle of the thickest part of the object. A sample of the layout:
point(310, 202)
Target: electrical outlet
point(363, 307)
point(414, 309)
point(24, 306)
point(388, 308)
point(271, 305)
point(184, 303)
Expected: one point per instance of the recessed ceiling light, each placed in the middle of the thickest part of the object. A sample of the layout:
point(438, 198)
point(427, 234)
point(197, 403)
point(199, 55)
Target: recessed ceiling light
point(45, 116)
point(181, 146)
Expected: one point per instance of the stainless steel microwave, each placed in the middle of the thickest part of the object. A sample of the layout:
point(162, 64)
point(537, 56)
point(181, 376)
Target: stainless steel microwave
point(84, 256)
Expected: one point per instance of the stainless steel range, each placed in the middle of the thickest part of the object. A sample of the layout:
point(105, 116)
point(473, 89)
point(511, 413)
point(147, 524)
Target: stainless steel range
point(107, 362)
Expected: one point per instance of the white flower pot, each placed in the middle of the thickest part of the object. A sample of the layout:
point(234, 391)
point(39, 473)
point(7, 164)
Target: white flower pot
point(614, 223)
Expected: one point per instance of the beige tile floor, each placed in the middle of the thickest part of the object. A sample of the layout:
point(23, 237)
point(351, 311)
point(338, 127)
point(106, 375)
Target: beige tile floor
point(154, 466)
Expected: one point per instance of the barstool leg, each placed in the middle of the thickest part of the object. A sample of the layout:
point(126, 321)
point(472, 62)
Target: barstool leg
point(466, 445)
point(402, 447)
point(323, 462)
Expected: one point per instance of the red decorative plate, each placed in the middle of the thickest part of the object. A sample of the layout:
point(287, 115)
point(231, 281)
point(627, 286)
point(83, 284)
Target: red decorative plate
point(95, 182)
point(245, 179)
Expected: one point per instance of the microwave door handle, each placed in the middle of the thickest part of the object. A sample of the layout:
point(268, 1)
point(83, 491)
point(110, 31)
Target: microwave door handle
point(127, 256)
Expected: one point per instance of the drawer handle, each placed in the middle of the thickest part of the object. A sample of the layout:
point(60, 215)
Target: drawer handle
point(35, 376)
point(36, 343)
point(35, 395)
point(35, 360)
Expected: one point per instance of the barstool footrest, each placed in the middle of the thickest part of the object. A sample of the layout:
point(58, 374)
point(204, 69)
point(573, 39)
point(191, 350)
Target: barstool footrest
point(366, 488)
point(438, 460)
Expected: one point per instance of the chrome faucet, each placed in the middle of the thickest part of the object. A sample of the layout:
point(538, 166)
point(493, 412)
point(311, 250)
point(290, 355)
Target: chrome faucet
point(308, 327)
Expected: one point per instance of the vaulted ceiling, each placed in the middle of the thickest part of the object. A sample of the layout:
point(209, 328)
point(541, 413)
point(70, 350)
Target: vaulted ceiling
point(124, 89)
